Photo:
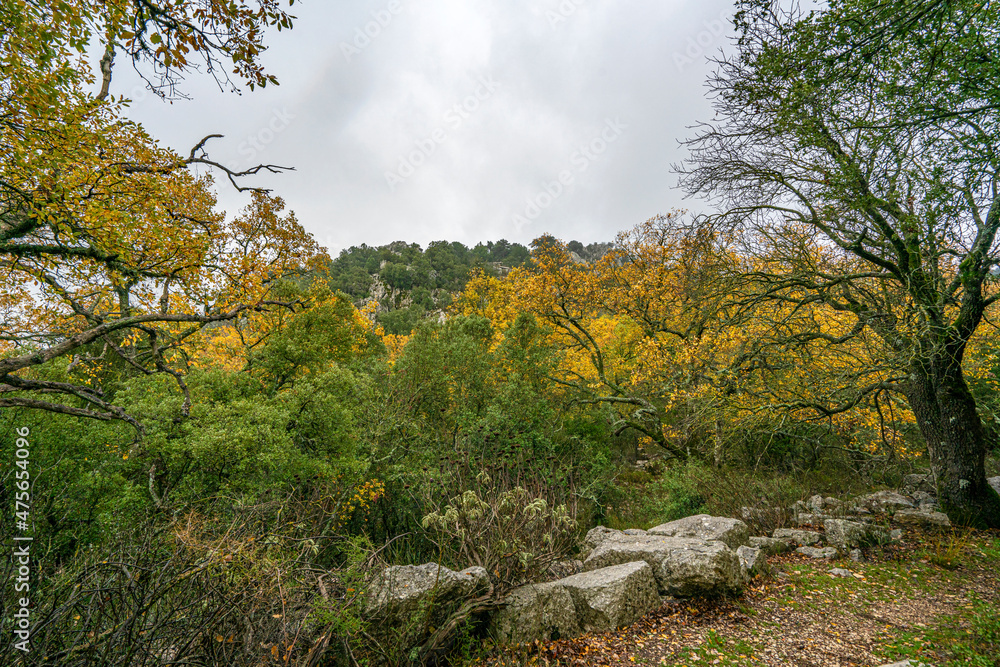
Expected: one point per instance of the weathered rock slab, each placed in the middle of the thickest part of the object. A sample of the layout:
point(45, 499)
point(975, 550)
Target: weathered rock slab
point(537, 611)
point(806, 538)
point(813, 552)
point(769, 545)
point(886, 501)
point(731, 532)
point(402, 589)
point(846, 535)
point(923, 517)
point(598, 534)
point(682, 567)
point(612, 597)
point(995, 483)
point(752, 560)
point(595, 601)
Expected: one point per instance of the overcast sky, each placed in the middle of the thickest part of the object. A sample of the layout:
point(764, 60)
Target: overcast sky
point(463, 120)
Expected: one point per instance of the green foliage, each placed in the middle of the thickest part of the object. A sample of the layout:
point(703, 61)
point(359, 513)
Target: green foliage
point(642, 502)
point(81, 489)
point(241, 438)
point(512, 533)
point(311, 342)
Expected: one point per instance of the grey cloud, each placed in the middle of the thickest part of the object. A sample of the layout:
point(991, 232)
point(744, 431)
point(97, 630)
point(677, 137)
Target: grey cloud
point(352, 113)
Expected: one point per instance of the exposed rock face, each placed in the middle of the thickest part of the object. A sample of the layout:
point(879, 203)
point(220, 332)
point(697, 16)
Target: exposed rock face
point(538, 611)
point(846, 535)
point(806, 538)
point(769, 545)
point(923, 517)
point(995, 483)
point(682, 567)
point(595, 601)
point(401, 590)
point(611, 597)
point(812, 552)
point(731, 532)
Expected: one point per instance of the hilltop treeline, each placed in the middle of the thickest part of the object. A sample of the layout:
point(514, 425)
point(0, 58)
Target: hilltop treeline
point(408, 282)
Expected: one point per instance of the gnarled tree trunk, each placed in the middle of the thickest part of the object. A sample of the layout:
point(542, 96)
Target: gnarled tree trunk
point(956, 441)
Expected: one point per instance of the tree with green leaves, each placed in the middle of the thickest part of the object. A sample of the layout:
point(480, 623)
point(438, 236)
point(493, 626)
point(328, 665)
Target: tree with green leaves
point(857, 148)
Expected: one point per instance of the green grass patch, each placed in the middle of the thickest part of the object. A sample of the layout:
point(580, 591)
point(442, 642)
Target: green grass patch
point(718, 650)
point(969, 639)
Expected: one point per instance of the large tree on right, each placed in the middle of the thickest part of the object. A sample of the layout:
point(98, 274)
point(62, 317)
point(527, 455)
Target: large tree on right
point(857, 148)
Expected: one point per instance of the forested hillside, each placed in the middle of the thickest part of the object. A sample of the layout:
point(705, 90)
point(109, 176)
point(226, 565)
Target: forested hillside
point(405, 283)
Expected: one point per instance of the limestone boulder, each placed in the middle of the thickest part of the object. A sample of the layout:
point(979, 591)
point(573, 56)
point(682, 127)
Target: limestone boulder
point(598, 534)
point(886, 501)
point(807, 519)
point(815, 504)
point(731, 532)
point(682, 567)
point(564, 568)
point(813, 552)
point(995, 483)
point(612, 597)
point(537, 611)
point(923, 517)
point(769, 545)
point(806, 538)
point(402, 590)
point(847, 535)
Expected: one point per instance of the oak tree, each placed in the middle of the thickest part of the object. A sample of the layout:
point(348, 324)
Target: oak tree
point(874, 127)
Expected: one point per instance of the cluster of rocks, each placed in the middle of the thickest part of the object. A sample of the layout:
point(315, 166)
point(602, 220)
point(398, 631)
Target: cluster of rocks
point(914, 504)
point(623, 575)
